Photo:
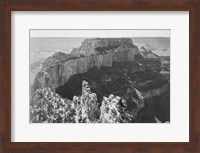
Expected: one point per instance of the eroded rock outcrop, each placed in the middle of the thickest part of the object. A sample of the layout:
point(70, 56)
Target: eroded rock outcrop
point(113, 67)
point(100, 45)
point(61, 67)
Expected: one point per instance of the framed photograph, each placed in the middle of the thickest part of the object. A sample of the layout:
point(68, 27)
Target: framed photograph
point(99, 76)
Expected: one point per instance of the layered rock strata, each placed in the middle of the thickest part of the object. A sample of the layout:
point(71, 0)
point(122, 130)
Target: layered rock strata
point(58, 70)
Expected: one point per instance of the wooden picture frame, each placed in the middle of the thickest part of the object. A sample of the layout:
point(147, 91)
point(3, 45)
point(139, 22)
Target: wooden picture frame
point(193, 6)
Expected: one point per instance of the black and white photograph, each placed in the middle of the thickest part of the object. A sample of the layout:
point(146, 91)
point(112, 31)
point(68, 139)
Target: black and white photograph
point(99, 76)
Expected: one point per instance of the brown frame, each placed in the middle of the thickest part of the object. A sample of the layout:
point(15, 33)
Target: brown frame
point(6, 6)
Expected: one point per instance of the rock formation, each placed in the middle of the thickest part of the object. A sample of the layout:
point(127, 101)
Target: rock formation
point(100, 45)
point(61, 67)
point(110, 66)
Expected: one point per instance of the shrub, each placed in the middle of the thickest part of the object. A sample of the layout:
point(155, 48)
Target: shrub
point(49, 107)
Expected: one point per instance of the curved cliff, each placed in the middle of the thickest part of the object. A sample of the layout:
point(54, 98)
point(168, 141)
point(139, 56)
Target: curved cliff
point(56, 71)
point(60, 67)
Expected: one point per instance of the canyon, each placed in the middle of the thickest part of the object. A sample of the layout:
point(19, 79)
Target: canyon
point(110, 66)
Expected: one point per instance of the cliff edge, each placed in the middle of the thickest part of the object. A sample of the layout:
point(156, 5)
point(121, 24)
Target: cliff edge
point(93, 53)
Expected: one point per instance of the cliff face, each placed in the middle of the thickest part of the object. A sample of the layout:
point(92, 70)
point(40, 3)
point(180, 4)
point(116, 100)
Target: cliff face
point(60, 67)
point(59, 71)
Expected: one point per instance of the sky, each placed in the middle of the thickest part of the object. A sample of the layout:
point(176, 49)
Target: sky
point(100, 33)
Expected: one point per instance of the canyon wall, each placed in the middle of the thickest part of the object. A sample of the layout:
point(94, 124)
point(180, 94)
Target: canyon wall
point(58, 68)
point(58, 73)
